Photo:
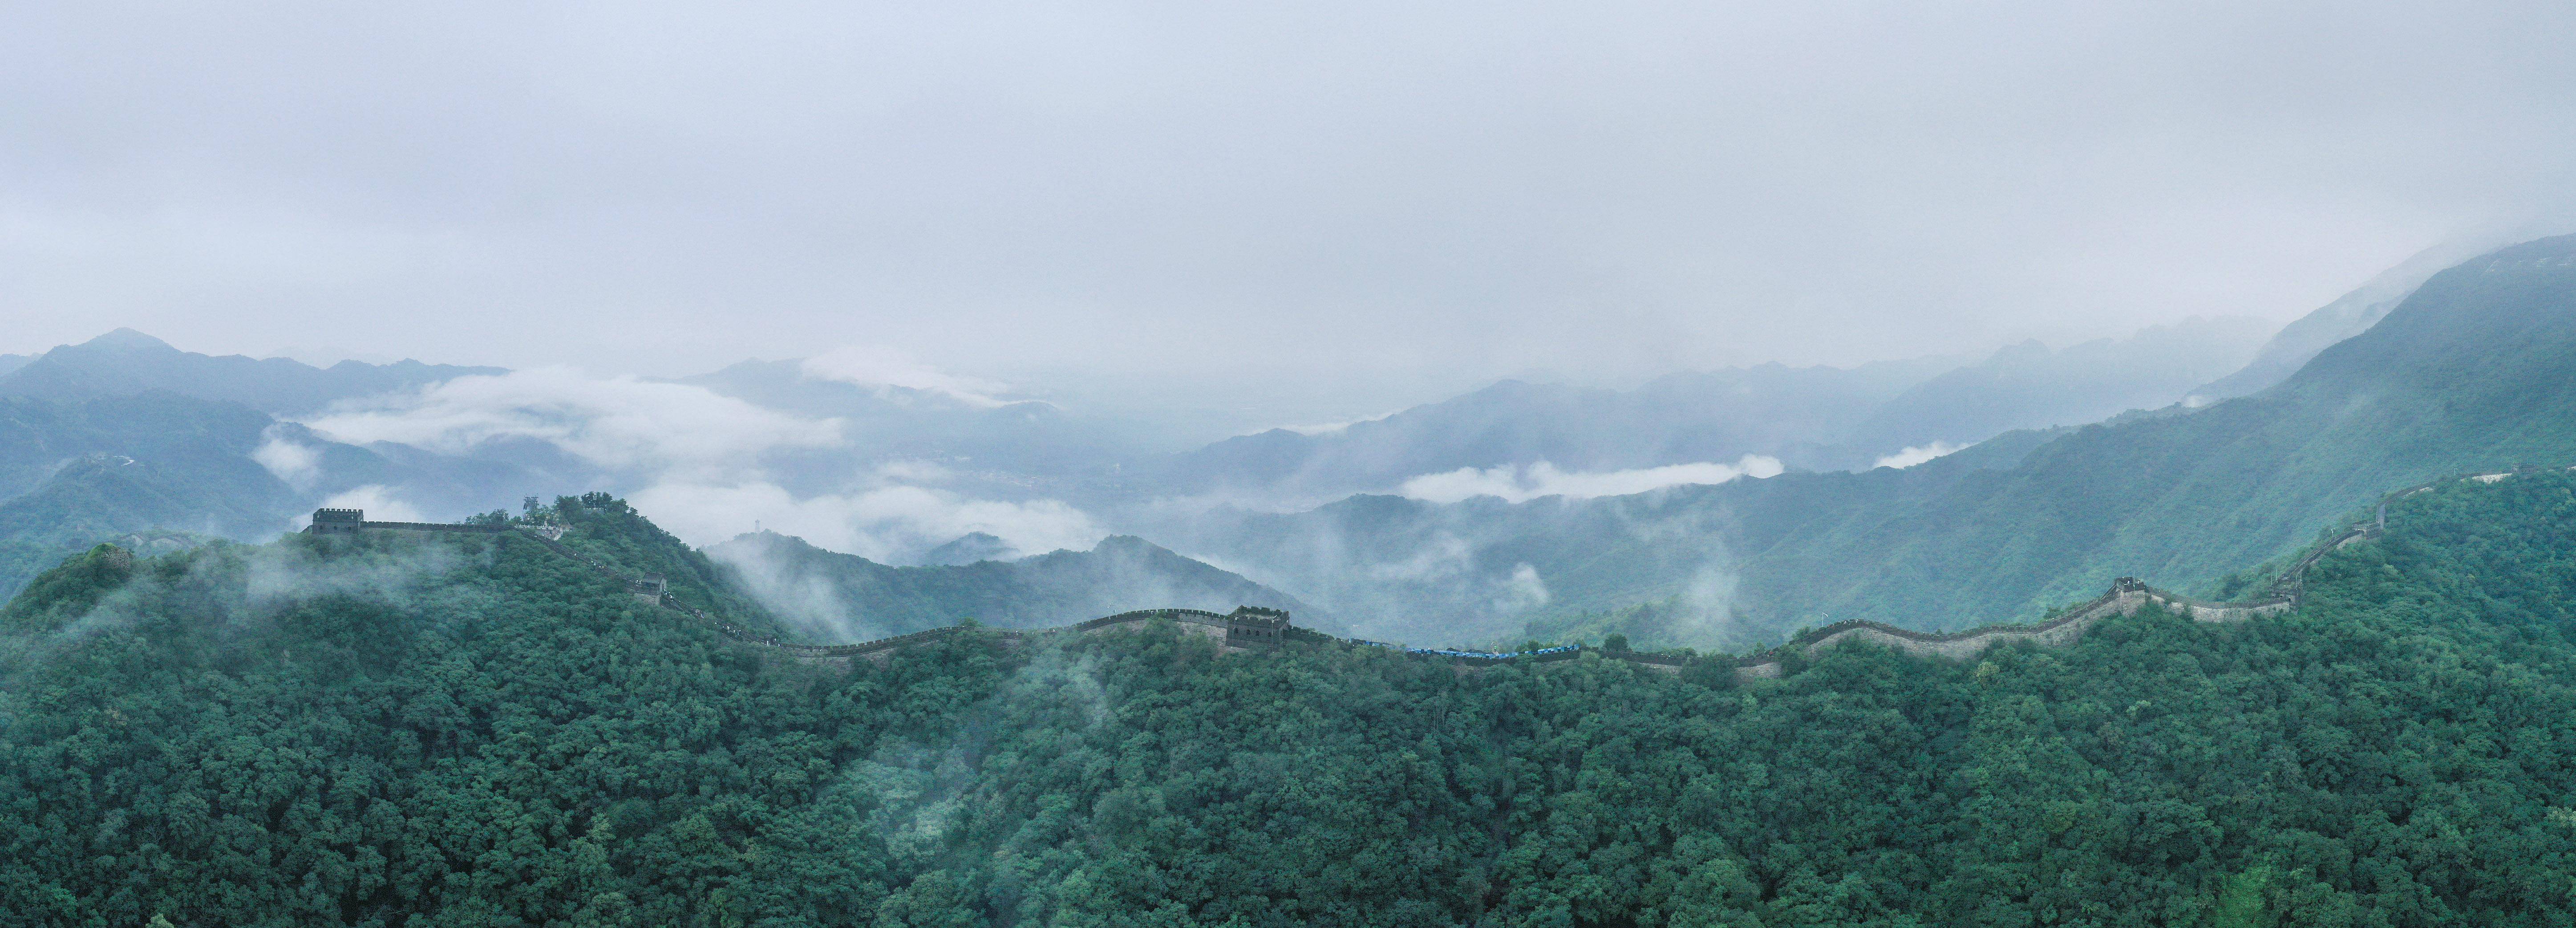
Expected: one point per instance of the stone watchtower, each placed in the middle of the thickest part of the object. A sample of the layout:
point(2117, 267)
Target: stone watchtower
point(1256, 627)
point(337, 522)
point(649, 588)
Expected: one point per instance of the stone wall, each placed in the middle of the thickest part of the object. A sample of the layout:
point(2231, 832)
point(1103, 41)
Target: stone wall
point(1268, 628)
point(2126, 596)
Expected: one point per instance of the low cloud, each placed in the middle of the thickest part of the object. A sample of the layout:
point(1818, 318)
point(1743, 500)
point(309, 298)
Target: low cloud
point(1523, 591)
point(1918, 454)
point(296, 463)
point(228, 590)
point(884, 523)
point(704, 465)
point(879, 366)
point(1335, 428)
point(1520, 484)
point(284, 574)
point(621, 423)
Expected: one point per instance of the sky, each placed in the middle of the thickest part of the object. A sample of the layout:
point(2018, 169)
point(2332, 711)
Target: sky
point(1370, 203)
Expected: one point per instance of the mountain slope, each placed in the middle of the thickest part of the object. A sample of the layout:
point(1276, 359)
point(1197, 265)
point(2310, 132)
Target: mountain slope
point(2475, 370)
point(2030, 385)
point(103, 496)
point(2349, 315)
point(842, 597)
point(74, 472)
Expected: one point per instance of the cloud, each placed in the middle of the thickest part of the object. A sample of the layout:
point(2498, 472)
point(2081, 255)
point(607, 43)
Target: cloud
point(223, 589)
point(286, 573)
point(622, 423)
point(1335, 428)
point(1367, 188)
point(289, 460)
point(1917, 454)
point(1523, 591)
point(703, 465)
point(879, 366)
point(1443, 555)
point(885, 523)
point(1519, 484)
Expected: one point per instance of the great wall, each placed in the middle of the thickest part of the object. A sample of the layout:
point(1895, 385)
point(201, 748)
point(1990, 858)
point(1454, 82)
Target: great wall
point(1248, 628)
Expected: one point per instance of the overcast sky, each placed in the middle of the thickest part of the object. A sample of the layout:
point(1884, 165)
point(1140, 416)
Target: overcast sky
point(1378, 193)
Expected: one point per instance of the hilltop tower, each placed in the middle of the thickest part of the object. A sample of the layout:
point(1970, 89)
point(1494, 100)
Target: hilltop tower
point(337, 522)
point(1256, 627)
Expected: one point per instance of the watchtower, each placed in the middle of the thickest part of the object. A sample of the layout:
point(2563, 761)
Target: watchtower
point(1256, 627)
point(337, 521)
point(649, 587)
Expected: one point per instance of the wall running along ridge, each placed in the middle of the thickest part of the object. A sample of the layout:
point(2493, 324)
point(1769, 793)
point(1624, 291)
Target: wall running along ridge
point(1248, 628)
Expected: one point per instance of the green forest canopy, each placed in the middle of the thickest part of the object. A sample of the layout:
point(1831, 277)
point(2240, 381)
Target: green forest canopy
point(452, 731)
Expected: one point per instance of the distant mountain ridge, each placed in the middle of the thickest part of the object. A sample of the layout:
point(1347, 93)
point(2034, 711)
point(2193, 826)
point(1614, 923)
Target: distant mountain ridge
point(845, 598)
point(2032, 386)
point(2349, 315)
point(1816, 418)
point(125, 362)
point(899, 423)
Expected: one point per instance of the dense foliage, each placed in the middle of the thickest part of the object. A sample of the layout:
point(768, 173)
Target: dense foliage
point(471, 731)
point(399, 729)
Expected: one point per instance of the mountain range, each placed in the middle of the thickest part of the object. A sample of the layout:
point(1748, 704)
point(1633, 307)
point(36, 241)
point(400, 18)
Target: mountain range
point(126, 362)
point(1878, 515)
point(2476, 369)
point(1809, 418)
point(837, 597)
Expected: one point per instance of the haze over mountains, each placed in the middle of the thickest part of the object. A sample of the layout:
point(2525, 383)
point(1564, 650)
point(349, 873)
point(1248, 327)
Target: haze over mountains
point(842, 597)
point(1814, 418)
point(1517, 509)
point(2472, 371)
point(126, 362)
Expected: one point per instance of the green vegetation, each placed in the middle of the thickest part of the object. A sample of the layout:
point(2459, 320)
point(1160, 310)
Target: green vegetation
point(427, 730)
point(400, 729)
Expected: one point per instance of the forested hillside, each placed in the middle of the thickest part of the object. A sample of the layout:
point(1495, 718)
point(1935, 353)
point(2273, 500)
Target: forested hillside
point(399, 729)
